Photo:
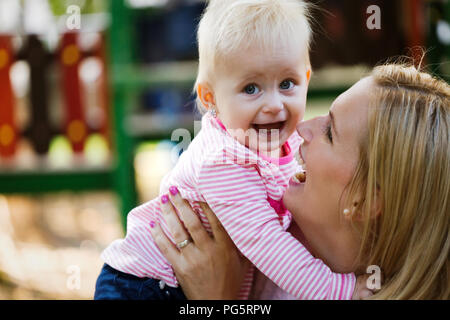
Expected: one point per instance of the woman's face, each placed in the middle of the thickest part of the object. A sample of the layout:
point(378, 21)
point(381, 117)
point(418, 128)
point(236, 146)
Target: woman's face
point(331, 153)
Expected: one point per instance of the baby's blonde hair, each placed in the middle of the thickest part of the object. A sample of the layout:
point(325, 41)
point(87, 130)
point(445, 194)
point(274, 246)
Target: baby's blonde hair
point(230, 26)
point(405, 166)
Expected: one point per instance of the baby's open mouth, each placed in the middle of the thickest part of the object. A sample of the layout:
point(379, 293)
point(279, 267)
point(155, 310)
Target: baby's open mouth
point(269, 126)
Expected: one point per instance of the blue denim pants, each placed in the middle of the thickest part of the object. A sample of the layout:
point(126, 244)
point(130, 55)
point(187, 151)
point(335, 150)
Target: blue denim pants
point(115, 285)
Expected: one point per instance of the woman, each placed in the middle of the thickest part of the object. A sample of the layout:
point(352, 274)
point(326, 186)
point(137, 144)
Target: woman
point(377, 192)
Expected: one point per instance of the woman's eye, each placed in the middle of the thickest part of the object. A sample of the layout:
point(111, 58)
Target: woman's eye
point(251, 89)
point(286, 84)
point(328, 133)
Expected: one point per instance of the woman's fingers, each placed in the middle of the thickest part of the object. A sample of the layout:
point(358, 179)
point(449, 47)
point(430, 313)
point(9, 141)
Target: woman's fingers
point(164, 244)
point(206, 269)
point(190, 218)
point(174, 224)
point(218, 230)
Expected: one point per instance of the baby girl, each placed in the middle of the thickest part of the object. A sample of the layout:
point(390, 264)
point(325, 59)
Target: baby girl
point(252, 83)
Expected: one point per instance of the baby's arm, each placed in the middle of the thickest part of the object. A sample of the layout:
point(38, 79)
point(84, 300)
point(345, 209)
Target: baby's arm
point(237, 196)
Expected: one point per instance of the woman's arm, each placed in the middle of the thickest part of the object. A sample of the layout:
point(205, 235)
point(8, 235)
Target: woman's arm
point(209, 267)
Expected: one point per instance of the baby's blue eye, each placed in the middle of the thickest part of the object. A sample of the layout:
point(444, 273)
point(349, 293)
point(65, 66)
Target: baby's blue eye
point(251, 89)
point(286, 84)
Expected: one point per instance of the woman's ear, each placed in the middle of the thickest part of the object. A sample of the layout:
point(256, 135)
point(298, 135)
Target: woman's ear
point(354, 213)
point(206, 96)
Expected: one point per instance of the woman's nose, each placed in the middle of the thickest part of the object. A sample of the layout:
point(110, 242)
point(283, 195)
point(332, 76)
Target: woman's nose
point(305, 131)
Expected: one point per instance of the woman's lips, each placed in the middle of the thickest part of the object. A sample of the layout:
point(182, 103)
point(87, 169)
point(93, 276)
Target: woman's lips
point(299, 177)
point(301, 160)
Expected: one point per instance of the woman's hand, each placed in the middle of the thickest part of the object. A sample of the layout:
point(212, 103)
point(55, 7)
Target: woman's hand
point(209, 267)
point(361, 291)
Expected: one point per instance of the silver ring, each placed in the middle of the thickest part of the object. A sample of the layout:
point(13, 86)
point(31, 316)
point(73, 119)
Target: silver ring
point(182, 244)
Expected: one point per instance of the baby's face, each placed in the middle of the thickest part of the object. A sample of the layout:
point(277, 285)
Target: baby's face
point(263, 96)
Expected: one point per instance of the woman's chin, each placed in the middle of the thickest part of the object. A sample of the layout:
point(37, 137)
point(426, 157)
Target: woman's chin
point(293, 194)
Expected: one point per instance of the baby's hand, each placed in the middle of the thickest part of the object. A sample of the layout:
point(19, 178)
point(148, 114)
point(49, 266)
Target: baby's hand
point(361, 291)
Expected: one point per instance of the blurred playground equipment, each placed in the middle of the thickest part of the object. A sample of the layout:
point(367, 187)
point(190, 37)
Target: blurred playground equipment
point(87, 114)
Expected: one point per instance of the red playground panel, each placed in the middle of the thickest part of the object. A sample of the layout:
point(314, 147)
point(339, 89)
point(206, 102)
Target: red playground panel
point(70, 58)
point(8, 131)
point(103, 95)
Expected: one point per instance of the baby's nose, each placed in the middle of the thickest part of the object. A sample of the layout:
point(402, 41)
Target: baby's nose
point(274, 104)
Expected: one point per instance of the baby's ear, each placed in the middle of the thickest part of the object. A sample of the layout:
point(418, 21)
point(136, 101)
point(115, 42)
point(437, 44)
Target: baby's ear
point(205, 95)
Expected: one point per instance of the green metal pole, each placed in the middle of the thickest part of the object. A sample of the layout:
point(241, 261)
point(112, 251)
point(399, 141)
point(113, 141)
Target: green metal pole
point(120, 46)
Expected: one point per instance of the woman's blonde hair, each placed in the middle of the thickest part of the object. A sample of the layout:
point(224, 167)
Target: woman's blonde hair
point(404, 171)
point(230, 26)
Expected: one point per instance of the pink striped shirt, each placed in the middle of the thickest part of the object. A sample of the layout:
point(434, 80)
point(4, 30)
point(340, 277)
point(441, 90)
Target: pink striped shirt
point(245, 191)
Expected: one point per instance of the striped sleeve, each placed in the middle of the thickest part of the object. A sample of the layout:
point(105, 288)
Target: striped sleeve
point(237, 195)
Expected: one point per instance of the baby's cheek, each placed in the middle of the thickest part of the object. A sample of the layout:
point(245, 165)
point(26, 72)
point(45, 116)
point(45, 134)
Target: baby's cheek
point(296, 114)
point(301, 114)
point(300, 107)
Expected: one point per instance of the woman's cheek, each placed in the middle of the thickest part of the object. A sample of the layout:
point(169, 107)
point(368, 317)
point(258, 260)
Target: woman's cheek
point(328, 188)
point(319, 189)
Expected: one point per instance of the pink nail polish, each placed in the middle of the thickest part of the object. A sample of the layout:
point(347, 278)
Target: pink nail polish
point(164, 199)
point(152, 224)
point(173, 190)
